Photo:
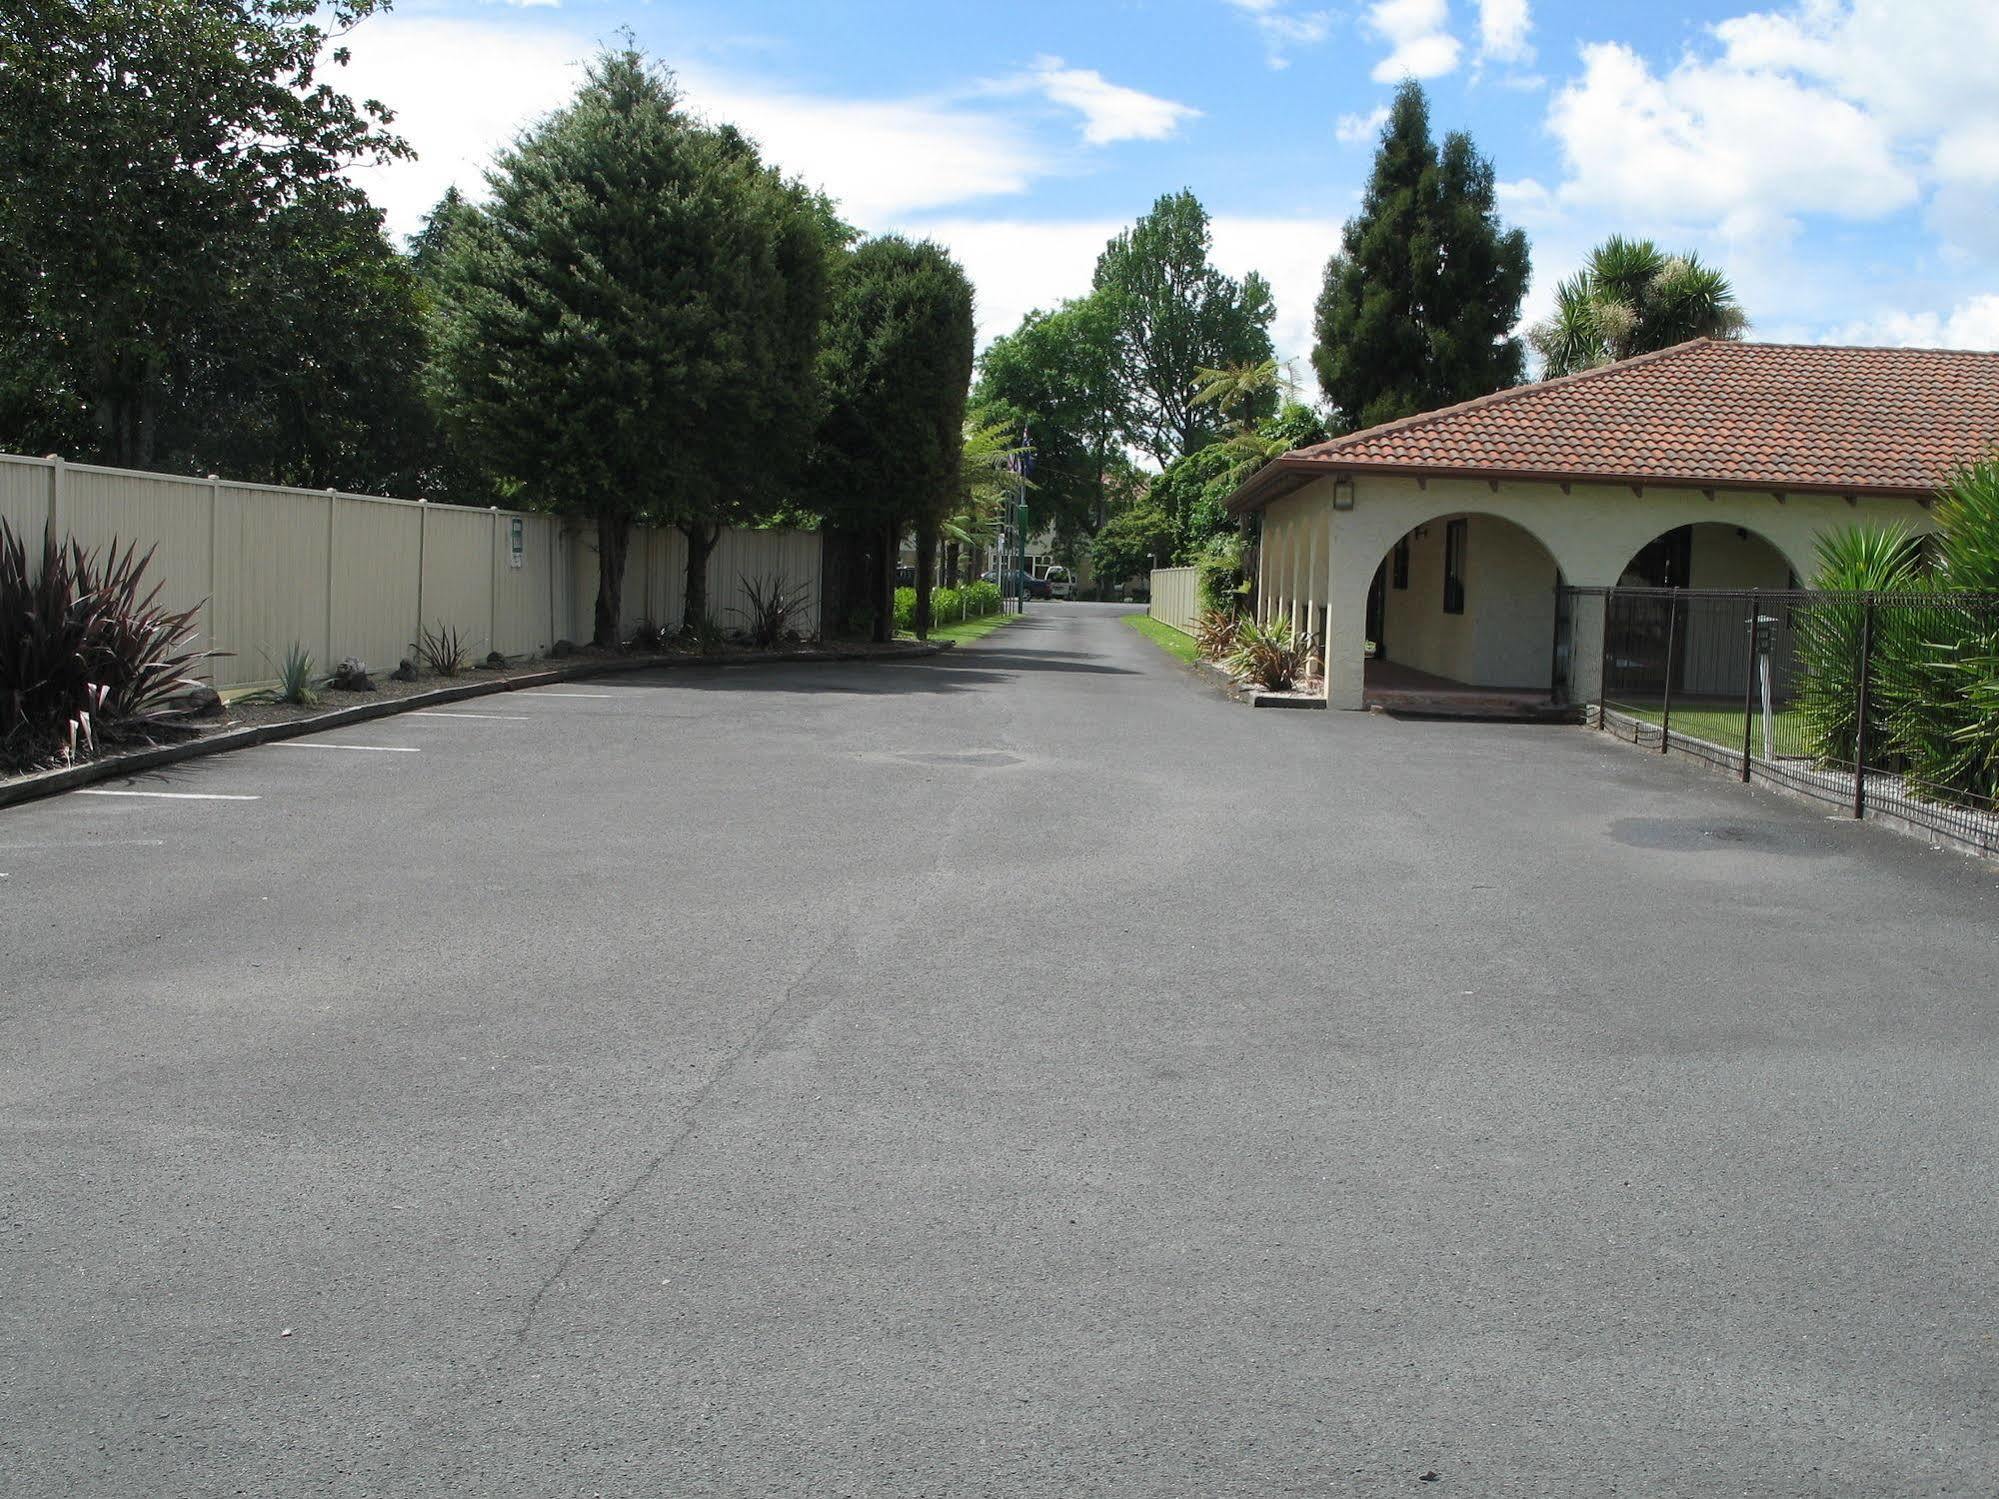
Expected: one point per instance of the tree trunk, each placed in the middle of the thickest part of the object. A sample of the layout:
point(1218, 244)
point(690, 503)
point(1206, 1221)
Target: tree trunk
point(847, 584)
point(951, 564)
point(614, 534)
point(926, 569)
point(885, 549)
point(700, 546)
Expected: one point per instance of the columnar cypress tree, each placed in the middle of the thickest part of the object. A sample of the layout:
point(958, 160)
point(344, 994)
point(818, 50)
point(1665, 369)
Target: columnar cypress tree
point(1419, 304)
point(629, 329)
point(896, 367)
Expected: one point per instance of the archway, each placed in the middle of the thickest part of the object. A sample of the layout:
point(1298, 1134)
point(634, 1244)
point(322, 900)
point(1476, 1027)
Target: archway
point(1463, 602)
point(1712, 554)
point(1680, 618)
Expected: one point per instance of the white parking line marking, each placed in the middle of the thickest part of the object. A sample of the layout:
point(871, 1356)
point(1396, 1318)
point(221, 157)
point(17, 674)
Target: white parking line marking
point(380, 749)
point(433, 713)
point(171, 796)
point(18, 848)
point(574, 694)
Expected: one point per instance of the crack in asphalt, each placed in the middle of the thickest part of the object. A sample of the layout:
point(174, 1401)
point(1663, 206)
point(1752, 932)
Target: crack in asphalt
point(782, 1018)
point(751, 1048)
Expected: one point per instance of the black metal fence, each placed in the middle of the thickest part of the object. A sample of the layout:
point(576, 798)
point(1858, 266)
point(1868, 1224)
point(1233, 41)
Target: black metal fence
point(1883, 705)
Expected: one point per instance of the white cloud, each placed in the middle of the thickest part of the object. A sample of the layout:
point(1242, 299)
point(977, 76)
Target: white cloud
point(1502, 30)
point(1972, 324)
point(1711, 143)
point(1923, 72)
point(1359, 130)
point(464, 89)
point(1018, 265)
point(1854, 110)
point(880, 158)
point(1111, 112)
point(1283, 27)
point(460, 90)
point(1417, 32)
point(1291, 253)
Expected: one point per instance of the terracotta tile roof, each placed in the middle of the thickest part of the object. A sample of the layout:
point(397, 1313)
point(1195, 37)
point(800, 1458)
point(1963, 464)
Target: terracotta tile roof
point(1711, 412)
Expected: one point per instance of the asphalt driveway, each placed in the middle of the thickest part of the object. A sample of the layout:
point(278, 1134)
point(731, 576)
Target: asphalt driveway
point(1020, 1072)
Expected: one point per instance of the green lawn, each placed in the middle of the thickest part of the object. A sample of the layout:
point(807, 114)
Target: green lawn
point(1168, 639)
point(1723, 726)
point(969, 629)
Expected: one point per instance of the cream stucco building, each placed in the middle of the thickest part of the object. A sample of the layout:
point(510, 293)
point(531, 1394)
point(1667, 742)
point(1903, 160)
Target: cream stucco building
point(1445, 539)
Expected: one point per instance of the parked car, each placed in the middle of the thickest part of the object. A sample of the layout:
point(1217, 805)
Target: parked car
point(1016, 583)
point(1060, 584)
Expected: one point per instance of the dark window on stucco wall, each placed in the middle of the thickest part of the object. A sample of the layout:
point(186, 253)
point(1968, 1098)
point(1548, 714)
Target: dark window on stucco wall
point(1401, 568)
point(1454, 566)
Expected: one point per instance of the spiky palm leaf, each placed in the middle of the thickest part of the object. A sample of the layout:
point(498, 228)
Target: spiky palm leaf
point(1632, 298)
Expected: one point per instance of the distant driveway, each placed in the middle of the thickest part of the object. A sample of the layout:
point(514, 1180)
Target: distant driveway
point(1017, 1073)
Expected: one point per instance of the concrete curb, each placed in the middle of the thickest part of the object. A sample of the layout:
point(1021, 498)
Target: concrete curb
point(43, 783)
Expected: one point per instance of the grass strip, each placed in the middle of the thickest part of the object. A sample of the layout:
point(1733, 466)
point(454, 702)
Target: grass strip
point(969, 629)
point(1176, 643)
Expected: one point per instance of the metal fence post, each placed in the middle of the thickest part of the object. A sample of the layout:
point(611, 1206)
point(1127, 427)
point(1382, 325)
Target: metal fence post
point(1749, 681)
point(1666, 697)
point(1860, 722)
point(1603, 666)
point(214, 574)
point(493, 586)
point(332, 509)
point(55, 495)
point(422, 528)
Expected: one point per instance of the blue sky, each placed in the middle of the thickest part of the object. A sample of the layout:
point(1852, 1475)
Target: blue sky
point(1839, 160)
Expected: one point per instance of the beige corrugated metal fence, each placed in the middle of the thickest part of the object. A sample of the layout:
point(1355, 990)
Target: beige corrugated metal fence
point(1175, 597)
point(358, 575)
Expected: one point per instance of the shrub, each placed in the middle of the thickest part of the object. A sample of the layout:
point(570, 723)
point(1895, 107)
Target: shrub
point(1939, 668)
point(441, 652)
point(1852, 562)
point(905, 609)
point(88, 657)
point(650, 635)
point(1272, 655)
point(947, 606)
point(980, 598)
point(707, 637)
point(1215, 633)
point(1222, 584)
point(295, 682)
point(1933, 662)
point(773, 606)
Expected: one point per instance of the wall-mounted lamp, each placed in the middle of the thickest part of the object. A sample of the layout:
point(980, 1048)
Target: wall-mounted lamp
point(1343, 493)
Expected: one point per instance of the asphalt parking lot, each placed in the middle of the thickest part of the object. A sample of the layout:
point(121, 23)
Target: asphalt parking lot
point(1019, 1072)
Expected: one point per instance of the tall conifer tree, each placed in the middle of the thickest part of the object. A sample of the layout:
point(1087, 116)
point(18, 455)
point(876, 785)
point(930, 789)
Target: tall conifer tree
point(629, 329)
point(896, 368)
point(1419, 304)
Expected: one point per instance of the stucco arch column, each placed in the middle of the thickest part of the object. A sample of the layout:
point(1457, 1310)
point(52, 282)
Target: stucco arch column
point(1349, 568)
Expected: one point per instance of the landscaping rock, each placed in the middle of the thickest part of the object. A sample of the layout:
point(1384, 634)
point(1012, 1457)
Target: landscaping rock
point(352, 676)
point(405, 672)
point(562, 648)
point(495, 660)
point(204, 702)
